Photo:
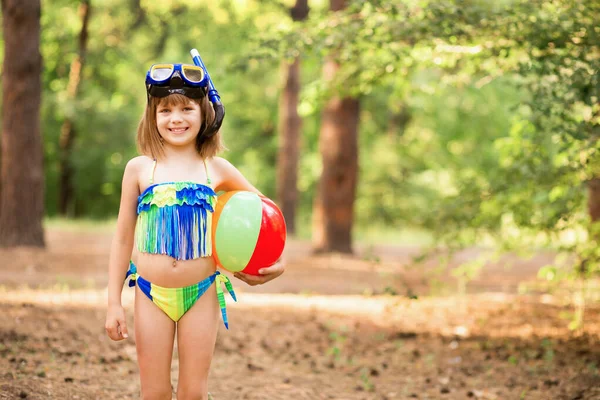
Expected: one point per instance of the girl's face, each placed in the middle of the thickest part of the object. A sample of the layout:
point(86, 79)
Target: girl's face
point(178, 124)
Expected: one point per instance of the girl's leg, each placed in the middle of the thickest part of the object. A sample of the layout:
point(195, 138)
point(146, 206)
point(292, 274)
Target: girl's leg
point(196, 337)
point(154, 335)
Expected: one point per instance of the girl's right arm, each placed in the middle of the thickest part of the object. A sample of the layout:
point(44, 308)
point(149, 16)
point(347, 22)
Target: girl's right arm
point(120, 251)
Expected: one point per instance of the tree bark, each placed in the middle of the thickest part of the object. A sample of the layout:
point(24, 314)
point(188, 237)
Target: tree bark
point(333, 210)
point(67, 131)
point(22, 197)
point(594, 199)
point(593, 186)
point(140, 14)
point(290, 125)
point(398, 122)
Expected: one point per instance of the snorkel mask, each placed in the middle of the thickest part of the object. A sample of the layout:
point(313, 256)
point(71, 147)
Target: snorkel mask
point(192, 81)
point(165, 79)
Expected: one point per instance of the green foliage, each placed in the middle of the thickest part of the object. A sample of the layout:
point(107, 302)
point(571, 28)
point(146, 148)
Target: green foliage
point(112, 96)
point(479, 119)
point(504, 116)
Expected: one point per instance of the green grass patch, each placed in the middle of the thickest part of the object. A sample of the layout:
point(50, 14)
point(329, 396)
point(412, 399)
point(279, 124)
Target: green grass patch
point(80, 225)
point(375, 235)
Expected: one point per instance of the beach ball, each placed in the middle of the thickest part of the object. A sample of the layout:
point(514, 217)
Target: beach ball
point(248, 232)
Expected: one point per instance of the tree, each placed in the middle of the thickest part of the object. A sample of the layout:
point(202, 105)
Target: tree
point(22, 197)
point(290, 125)
point(333, 209)
point(67, 131)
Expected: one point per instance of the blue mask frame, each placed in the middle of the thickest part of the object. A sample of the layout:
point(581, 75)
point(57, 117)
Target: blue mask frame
point(175, 80)
point(177, 71)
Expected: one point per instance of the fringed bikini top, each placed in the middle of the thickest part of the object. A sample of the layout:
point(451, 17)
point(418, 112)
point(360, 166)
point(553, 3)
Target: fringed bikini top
point(174, 218)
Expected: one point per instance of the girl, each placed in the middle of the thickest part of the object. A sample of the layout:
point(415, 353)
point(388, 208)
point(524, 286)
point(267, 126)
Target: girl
point(167, 200)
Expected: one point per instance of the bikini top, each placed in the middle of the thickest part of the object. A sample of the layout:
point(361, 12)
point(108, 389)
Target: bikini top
point(175, 218)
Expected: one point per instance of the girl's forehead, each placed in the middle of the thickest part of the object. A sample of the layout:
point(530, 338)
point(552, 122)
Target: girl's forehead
point(175, 100)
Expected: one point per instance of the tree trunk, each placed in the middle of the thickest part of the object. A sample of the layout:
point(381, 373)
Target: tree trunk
point(593, 186)
point(289, 145)
point(67, 131)
point(398, 121)
point(140, 14)
point(290, 125)
point(22, 197)
point(333, 210)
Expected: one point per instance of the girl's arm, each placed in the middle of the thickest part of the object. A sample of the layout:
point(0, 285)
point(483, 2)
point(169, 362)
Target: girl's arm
point(228, 178)
point(120, 251)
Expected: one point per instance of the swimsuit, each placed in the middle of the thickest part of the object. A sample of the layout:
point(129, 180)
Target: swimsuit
point(174, 218)
point(175, 302)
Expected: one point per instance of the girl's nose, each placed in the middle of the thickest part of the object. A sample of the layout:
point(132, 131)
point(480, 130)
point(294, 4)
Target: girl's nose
point(176, 117)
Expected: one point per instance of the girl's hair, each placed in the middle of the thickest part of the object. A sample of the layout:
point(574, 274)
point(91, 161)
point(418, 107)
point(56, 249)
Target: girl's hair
point(149, 141)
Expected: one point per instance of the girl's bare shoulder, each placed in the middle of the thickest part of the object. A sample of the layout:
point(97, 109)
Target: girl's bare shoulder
point(219, 164)
point(137, 165)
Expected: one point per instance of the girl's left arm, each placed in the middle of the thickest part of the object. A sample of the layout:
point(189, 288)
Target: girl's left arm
point(228, 178)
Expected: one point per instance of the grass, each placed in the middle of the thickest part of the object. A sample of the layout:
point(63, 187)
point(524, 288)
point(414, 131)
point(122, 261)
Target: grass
point(365, 236)
point(81, 225)
point(375, 235)
point(398, 237)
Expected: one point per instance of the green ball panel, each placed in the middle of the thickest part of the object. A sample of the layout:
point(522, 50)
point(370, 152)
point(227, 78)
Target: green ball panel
point(237, 230)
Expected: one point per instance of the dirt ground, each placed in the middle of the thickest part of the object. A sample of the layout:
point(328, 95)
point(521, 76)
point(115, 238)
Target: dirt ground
point(332, 327)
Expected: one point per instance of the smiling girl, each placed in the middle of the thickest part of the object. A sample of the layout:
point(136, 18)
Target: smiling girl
point(162, 240)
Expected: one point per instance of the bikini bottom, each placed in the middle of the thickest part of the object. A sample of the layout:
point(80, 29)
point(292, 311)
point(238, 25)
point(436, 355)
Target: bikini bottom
point(175, 302)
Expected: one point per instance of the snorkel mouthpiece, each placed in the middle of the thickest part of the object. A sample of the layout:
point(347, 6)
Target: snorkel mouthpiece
point(213, 97)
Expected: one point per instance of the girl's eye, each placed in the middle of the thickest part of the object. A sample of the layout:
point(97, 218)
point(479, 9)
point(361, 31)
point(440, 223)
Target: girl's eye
point(188, 108)
point(163, 110)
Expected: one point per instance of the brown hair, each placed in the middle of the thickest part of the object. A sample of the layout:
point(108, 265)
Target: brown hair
point(149, 141)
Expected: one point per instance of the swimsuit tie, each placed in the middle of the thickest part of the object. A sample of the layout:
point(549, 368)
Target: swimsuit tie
point(222, 279)
point(131, 274)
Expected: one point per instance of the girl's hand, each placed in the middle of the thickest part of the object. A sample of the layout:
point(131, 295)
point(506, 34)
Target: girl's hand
point(115, 325)
point(266, 274)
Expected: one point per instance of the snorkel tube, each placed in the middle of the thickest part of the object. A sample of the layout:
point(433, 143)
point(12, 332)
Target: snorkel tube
point(213, 97)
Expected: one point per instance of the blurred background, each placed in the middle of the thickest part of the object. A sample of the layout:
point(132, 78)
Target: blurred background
point(417, 148)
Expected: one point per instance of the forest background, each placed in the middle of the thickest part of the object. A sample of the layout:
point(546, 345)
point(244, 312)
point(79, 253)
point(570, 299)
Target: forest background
point(474, 122)
point(393, 134)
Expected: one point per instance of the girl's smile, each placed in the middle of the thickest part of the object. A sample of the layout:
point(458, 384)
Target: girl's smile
point(178, 130)
point(178, 124)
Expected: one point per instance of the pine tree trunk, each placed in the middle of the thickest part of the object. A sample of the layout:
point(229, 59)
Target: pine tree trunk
point(594, 199)
point(289, 145)
point(22, 175)
point(67, 131)
point(140, 14)
point(398, 122)
point(290, 126)
point(593, 186)
point(333, 210)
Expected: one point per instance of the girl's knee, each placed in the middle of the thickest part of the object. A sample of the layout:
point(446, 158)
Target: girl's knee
point(197, 392)
point(157, 394)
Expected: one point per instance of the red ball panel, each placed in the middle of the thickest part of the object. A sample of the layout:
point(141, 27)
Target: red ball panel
point(271, 238)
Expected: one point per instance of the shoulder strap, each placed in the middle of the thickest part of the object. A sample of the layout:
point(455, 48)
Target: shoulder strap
point(206, 169)
point(152, 172)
